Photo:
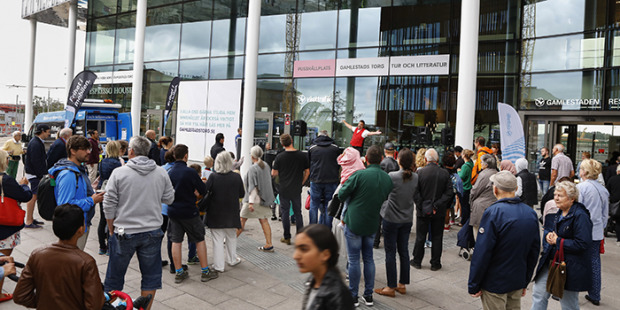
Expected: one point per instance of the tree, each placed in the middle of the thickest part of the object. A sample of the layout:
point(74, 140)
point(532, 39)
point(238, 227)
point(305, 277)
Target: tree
point(40, 105)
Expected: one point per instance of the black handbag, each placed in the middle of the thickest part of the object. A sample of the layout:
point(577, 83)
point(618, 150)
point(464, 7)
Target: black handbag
point(614, 210)
point(334, 209)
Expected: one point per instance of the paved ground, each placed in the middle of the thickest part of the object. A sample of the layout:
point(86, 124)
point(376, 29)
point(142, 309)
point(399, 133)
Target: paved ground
point(272, 281)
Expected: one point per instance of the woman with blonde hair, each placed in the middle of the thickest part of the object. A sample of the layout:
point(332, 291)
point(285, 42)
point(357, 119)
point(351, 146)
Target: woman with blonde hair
point(595, 198)
point(9, 235)
point(107, 165)
point(258, 196)
point(419, 158)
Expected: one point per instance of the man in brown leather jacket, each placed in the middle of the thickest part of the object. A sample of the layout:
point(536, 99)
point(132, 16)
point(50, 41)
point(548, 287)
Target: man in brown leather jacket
point(61, 276)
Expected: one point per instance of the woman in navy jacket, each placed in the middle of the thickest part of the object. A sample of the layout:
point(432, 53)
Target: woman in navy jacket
point(571, 224)
point(107, 165)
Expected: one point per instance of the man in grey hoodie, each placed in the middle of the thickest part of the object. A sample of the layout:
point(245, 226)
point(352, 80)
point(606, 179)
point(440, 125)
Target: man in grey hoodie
point(132, 207)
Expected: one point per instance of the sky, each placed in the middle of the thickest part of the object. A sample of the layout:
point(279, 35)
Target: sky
point(50, 58)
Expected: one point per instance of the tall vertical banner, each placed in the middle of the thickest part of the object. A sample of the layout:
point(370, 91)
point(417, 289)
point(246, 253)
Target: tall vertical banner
point(173, 90)
point(81, 85)
point(511, 133)
point(204, 109)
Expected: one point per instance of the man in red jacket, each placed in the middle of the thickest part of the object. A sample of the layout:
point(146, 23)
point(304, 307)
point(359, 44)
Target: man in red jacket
point(359, 134)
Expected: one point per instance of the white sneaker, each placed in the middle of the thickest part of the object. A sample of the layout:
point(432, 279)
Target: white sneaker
point(236, 262)
point(618, 243)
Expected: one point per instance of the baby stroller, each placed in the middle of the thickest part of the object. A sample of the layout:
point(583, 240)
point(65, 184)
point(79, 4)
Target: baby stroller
point(465, 240)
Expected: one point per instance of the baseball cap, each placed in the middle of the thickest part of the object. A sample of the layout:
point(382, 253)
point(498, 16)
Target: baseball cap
point(41, 128)
point(389, 146)
point(505, 181)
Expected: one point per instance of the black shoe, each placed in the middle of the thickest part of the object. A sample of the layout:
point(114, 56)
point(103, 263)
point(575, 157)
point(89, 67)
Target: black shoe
point(414, 265)
point(594, 302)
point(436, 267)
point(38, 222)
point(368, 300)
point(274, 218)
point(172, 270)
point(164, 263)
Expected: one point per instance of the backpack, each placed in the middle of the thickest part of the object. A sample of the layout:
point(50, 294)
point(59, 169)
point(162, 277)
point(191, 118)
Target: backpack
point(457, 184)
point(46, 199)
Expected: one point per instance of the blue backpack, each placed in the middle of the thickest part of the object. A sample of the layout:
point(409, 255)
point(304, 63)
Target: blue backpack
point(457, 184)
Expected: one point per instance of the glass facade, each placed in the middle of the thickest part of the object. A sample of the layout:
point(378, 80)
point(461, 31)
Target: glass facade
point(561, 53)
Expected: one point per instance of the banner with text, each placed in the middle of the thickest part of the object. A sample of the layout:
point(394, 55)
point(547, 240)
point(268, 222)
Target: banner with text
point(420, 65)
point(204, 109)
point(512, 139)
point(363, 66)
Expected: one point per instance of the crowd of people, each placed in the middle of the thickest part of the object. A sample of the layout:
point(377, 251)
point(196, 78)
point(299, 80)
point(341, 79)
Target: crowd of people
point(355, 199)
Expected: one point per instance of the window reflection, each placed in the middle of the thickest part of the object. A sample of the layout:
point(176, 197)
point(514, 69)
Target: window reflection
point(563, 91)
point(613, 90)
point(163, 33)
point(360, 27)
point(272, 65)
point(101, 41)
point(102, 7)
point(499, 20)
point(314, 104)
point(127, 5)
point(195, 69)
point(228, 37)
point(161, 71)
point(196, 29)
point(318, 30)
point(272, 37)
point(565, 53)
point(226, 68)
point(155, 95)
point(272, 95)
point(125, 35)
point(562, 16)
point(420, 24)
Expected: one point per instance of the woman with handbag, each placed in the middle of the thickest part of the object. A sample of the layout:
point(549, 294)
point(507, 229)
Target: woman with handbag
point(595, 198)
point(107, 165)
point(224, 188)
point(258, 196)
point(570, 232)
point(11, 214)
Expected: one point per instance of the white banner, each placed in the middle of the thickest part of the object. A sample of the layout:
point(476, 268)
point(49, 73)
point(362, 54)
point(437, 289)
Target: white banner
point(511, 133)
point(223, 109)
point(192, 117)
point(363, 66)
point(420, 65)
point(204, 109)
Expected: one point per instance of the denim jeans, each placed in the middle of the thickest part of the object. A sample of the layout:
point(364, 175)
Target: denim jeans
point(396, 237)
point(544, 187)
point(355, 245)
point(147, 246)
point(595, 255)
point(540, 296)
point(320, 195)
point(285, 207)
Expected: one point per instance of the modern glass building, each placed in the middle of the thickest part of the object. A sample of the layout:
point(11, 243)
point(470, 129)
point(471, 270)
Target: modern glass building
point(556, 61)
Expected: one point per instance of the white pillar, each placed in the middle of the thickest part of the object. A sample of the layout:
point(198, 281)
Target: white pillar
point(138, 65)
point(28, 113)
point(468, 65)
point(249, 89)
point(72, 32)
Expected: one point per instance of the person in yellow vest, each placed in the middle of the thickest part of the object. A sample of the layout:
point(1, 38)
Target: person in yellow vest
point(481, 150)
point(15, 150)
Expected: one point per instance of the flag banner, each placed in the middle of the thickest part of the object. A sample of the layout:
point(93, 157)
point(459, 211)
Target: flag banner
point(173, 90)
point(511, 133)
point(81, 85)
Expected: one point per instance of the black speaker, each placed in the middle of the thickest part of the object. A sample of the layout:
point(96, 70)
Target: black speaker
point(424, 135)
point(300, 128)
point(447, 136)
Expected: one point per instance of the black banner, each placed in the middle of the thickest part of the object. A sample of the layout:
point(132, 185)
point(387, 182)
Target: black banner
point(173, 90)
point(81, 85)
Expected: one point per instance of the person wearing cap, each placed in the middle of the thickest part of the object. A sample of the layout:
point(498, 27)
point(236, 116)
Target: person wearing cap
point(35, 167)
point(388, 164)
point(507, 248)
point(14, 148)
point(359, 134)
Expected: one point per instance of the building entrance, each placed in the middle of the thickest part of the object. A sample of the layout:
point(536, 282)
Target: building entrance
point(597, 136)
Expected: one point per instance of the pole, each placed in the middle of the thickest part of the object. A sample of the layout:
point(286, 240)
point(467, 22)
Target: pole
point(28, 115)
point(138, 64)
point(72, 32)
point(249, 90)
point(468, 63)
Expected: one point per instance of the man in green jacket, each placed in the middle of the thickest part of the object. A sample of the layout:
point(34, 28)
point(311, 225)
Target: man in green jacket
point(367, 190)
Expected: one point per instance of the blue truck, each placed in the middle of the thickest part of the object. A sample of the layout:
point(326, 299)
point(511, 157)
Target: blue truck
point(100, 115)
